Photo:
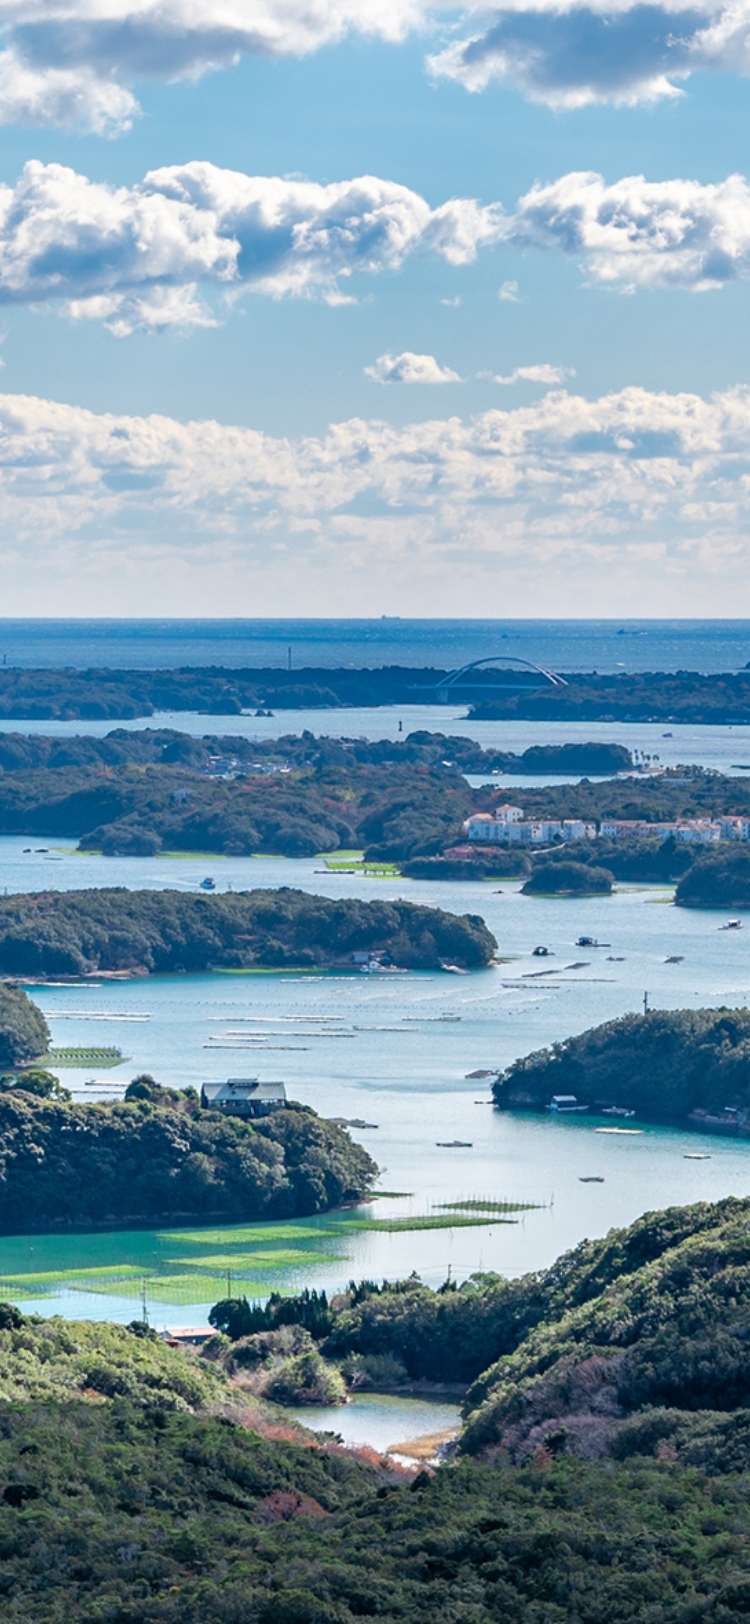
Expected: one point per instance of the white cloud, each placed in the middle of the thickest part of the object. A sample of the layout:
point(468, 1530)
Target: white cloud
point(563, 499)
point(508, 293)
point(639, 233)
point(135, 257)
point(179, 248)
point(543, 373)
point(568, 54)
point(72, 61)
point(75, 61)
point(410, 368)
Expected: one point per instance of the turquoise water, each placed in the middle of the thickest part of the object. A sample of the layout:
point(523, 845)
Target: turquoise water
point(380, 1419)
point(382, 1050)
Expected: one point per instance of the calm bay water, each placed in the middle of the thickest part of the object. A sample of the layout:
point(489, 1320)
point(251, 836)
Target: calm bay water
point(723, 748)
point(381, 1049)
point(394, 1053)
point(566, 645)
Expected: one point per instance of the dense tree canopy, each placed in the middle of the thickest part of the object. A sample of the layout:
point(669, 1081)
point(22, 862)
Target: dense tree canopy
point(138, 1486)
point(24, 1033)
point(77, 932)
point(665, 1065)
point(65, 1165)
point(717, 880)
point(567, 878)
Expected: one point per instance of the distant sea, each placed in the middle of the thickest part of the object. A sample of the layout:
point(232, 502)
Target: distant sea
point(564, 645)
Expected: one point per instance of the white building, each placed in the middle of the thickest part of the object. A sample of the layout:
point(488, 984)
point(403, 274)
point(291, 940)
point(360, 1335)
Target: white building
point(578, 829)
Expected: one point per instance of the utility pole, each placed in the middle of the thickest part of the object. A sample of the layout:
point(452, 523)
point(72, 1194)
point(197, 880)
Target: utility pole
point(144, 1304)
point(645, 1003)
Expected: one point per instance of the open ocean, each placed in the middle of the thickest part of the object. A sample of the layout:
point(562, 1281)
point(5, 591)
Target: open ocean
point(564, 645)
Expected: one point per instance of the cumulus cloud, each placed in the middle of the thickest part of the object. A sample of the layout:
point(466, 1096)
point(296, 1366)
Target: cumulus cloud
point(556, 491)
point(73, 61)
point(180, 247)
point(543, 373)
point(508, 293)
point(567, 54)
point(139, 256)
point(410, 368)
point(639, 233)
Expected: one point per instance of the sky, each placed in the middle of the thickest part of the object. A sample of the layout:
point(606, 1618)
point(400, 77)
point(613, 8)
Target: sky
point(362, 307)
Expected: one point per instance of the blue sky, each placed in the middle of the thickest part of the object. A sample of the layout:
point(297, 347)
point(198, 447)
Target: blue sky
point(508, 373)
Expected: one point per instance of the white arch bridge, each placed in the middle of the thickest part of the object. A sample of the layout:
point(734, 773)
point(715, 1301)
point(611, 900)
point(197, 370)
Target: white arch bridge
point(517, 676)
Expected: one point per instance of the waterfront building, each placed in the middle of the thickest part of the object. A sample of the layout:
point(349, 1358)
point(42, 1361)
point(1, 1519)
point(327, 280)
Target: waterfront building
point(243, 1096)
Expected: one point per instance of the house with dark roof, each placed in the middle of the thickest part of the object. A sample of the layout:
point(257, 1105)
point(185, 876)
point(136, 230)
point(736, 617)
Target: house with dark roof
point(243, 1096)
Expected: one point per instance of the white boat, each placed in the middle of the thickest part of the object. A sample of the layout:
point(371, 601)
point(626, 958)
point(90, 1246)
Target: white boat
point(373, 967)
point(627, 1131)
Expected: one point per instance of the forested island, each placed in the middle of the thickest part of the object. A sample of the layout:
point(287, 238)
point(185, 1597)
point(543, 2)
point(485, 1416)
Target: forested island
point(688, 1066)
point(398, 801)
point(159, 1157)
point(162, 932)
point(139, 793)
point(672, 696)
point(216, 753)
point(567, 878)
point(602, 1472)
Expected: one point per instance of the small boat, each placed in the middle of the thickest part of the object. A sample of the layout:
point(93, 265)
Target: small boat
point(696, 1156)
point(675, 958)
point(628, 1131)
point(373, 967)
point(541, 953)
point(667, 735)
point(590, 1178)
point(454, 969)
point(617, 1111)
point(590, 941)
point(454, 1144)
point(208, 884)
point(732, 924)
point(741, 766)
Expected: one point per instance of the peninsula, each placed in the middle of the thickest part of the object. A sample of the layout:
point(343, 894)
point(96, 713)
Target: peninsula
point(164, 1159)
point(668, 696)
point(687, 1066)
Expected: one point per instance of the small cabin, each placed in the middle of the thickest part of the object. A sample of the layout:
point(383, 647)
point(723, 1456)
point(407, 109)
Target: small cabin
point(243, 1096)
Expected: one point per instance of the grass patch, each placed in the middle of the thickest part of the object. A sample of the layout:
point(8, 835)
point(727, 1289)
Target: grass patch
point(246, 1235)
point(247, 1262)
